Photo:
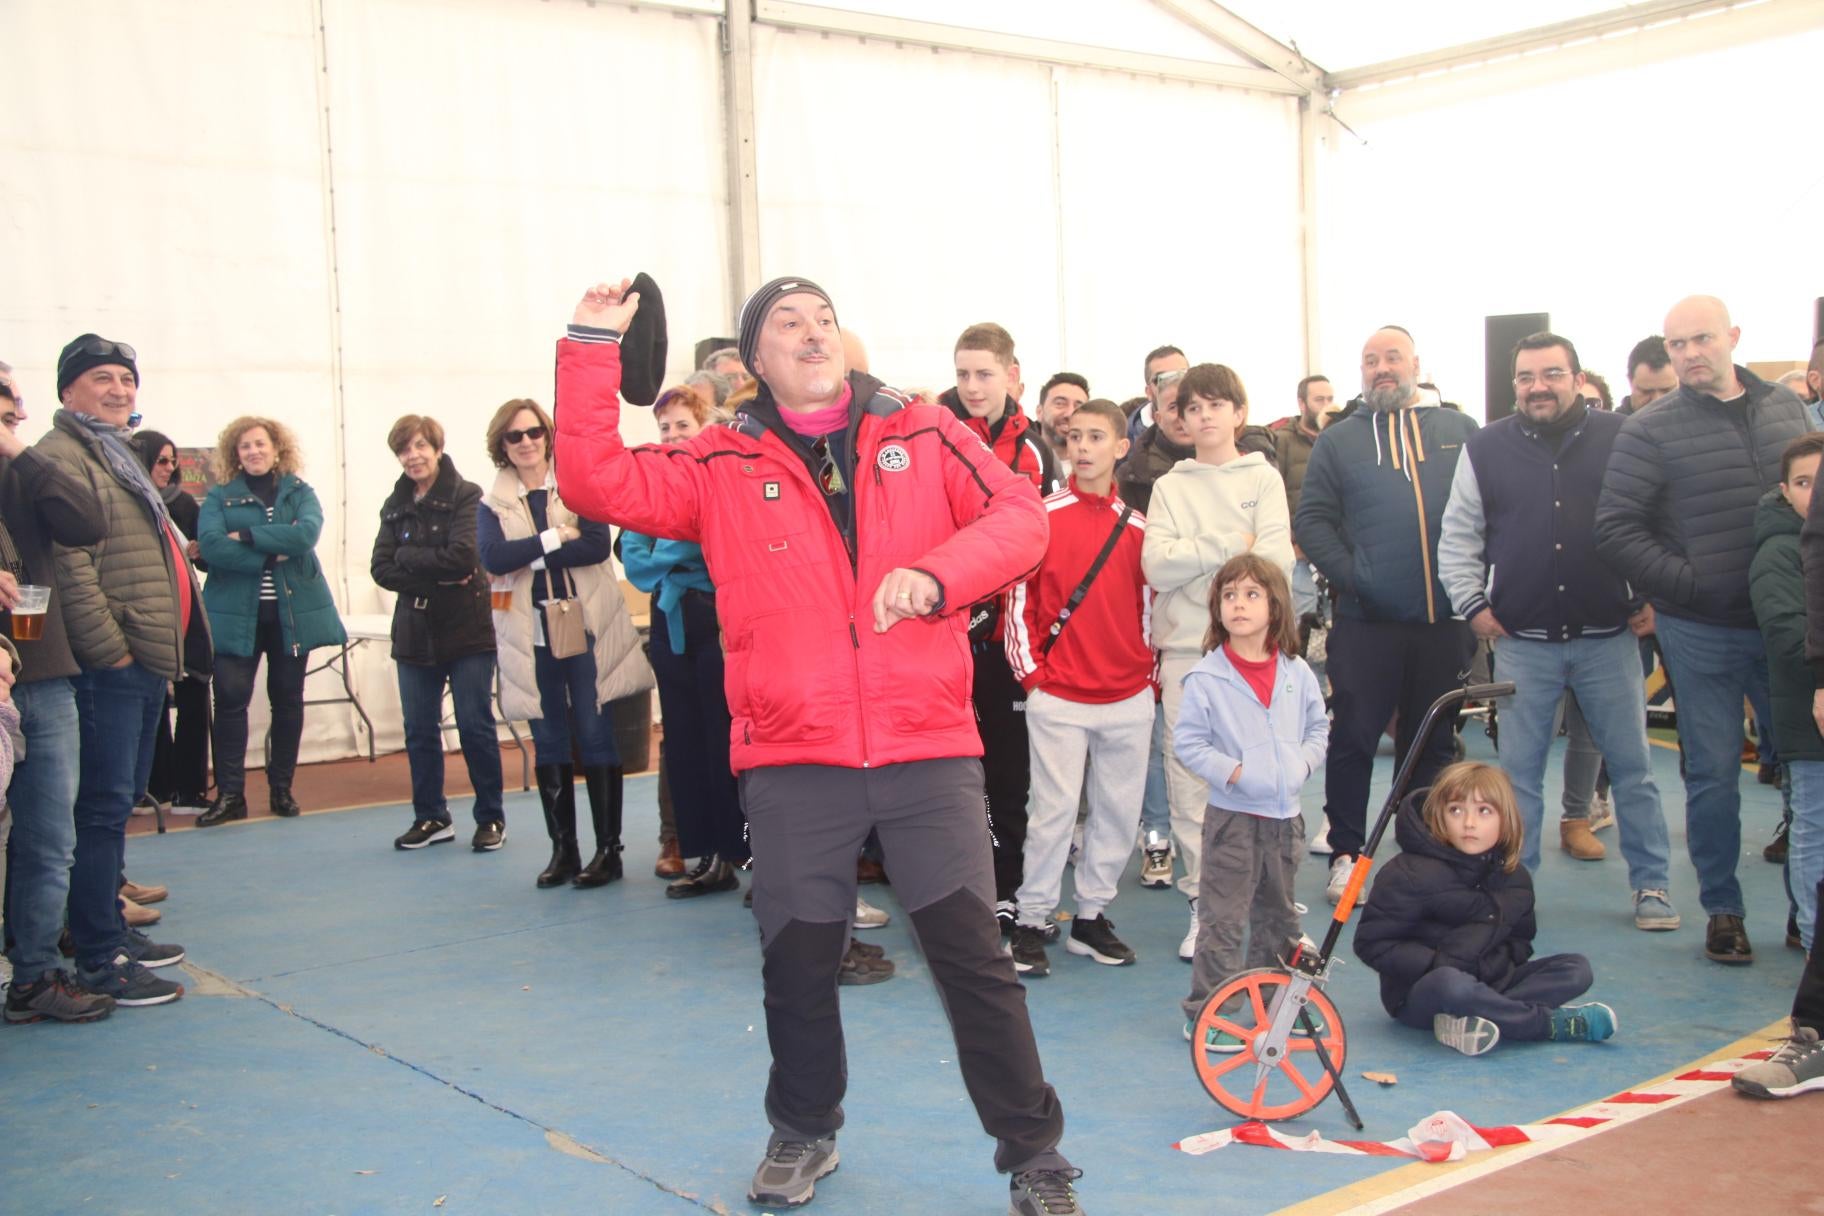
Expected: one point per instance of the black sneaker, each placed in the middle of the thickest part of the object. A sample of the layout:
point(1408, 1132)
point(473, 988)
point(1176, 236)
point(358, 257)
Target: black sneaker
point(426, 832)
point(55, 996)
point(1029, 957)
point(148, 953)
point(1726, 941)
point(788, 1174)
point(1094, 937)
point(224, 809)
point(282, 804)
point(1045, 1193)
point(488, 836)
point(130, 983)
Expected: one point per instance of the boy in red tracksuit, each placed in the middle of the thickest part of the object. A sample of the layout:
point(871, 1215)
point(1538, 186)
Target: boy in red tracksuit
point(1078, 640)
point(986, 372)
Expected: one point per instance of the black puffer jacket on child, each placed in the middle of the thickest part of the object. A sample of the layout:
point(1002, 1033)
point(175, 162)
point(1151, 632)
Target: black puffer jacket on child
point(1436, 907)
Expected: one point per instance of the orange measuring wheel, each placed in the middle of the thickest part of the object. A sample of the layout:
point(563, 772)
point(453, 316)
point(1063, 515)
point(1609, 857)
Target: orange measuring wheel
point(1277, 1073)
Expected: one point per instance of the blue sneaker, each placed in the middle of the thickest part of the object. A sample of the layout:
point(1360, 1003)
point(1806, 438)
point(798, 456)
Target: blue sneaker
point(130, 983)
point(1653, 911)
point(1591, 1023)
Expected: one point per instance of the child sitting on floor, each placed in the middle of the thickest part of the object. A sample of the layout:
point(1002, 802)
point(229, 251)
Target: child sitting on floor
point(1451, 926)
point(1252, 725)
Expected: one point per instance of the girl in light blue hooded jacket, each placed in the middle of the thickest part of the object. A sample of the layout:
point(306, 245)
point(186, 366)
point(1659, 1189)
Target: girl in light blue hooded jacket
point(1252, 725)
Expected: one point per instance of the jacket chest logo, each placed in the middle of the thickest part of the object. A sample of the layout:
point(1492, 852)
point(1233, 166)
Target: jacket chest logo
point(894, 458)
point(770, 491)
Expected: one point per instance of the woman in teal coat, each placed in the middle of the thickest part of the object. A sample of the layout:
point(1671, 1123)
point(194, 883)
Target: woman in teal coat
point(267, 598)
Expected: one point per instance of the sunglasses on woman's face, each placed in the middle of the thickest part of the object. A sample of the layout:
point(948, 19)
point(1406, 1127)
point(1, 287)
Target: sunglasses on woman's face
point(531, 432)
point(167, 460)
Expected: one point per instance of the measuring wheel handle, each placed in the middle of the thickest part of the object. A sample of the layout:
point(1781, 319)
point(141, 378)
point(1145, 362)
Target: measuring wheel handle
point(1267, 1079)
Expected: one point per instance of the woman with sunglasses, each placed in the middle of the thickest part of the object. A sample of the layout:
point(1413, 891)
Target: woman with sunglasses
point(180, 762)
point(267, 598)
point(549, 567)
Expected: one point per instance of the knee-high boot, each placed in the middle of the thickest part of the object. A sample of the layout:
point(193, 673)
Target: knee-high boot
point(605, 811)
point(557, 791)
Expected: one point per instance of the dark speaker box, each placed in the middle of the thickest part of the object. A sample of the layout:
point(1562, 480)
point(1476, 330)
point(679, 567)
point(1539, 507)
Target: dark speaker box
point(1500, 335)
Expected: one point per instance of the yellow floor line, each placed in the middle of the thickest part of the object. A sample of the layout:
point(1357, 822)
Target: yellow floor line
point(1410, 1183)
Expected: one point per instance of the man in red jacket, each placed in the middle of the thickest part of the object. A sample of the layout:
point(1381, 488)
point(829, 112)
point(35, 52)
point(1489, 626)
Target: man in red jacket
point(1079, 642)
point(842, 526)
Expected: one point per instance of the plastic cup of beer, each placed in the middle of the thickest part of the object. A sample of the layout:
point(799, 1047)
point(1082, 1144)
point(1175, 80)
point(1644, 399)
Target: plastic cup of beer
point(502, 594)
point(28, 615)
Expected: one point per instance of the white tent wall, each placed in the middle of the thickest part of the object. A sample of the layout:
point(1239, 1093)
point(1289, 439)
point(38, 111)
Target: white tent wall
point(491, 158)
point(1598, 188)
point(1092, 213)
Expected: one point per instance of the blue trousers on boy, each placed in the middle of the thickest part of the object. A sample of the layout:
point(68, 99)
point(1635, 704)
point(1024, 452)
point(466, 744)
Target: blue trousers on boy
point(1522, 1007)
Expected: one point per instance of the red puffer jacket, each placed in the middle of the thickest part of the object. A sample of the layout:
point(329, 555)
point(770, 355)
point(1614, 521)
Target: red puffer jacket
point(808, 680)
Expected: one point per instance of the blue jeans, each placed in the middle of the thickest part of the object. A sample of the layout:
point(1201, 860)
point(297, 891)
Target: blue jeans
point(1804, 846)
point(118, 709)
point(43, 800)
point(1155, 811)
point(471, 682)
point(566, 693)
point(1304, 588)
point(1713, 667)
point(1603, 673)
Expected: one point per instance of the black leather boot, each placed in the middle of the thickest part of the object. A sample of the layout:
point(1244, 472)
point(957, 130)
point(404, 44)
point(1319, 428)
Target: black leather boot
point(557, 791)
point(604, 783)
point(224, 809)
point(282, 803)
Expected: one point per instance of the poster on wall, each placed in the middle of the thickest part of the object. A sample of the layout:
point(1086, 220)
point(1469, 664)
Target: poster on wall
point(197, 467)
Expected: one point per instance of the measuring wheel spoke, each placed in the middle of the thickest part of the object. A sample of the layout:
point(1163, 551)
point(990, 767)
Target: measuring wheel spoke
point(1229, 1065)
point(1312, 1093)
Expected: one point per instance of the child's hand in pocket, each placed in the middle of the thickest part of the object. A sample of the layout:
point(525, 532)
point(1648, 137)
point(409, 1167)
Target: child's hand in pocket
point(1235, 777)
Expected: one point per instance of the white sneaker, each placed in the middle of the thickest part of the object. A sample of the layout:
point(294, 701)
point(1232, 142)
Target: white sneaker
point(1340, 868)
point(1187, 949)
point(1471, 1036)
point(867, 916)
point(1602, 813)
point(1320, 843)
point(1155, 861)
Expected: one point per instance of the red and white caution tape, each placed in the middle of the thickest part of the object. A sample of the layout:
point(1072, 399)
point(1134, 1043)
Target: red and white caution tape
point(1447, 1136)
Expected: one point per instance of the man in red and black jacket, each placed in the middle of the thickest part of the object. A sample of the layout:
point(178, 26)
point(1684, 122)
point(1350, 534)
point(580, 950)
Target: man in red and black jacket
point(986, 370)
point(842, 526)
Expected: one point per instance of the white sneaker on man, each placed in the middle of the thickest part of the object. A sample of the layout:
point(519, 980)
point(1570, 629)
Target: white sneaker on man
point(1320, 843)
point(1187, 949)
point(1340, 868)
point(867, 916)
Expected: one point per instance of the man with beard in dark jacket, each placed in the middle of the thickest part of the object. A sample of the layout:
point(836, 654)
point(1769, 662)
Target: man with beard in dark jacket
point(1369, 516)
point(1676, 518)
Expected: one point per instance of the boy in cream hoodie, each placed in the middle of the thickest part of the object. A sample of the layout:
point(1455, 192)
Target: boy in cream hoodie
point(1204, 512)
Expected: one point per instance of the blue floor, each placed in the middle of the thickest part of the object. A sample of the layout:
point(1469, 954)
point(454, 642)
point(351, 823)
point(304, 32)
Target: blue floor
point(403, 1030)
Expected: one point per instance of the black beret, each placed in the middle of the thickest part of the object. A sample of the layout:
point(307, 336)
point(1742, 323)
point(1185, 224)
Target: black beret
point(643, 346)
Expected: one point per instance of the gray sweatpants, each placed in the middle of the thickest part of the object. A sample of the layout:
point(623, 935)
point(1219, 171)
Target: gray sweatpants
point(807, 824)
point(1061, 734)
point(1246, 889)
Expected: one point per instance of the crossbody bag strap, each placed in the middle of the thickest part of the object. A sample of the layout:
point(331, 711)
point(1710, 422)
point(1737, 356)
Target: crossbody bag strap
point(1095, 568)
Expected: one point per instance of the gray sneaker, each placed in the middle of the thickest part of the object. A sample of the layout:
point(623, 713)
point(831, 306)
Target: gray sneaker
point(130, 983)
point(55, 996)
point(788, 1174)
point(1045, 1193)
point(1796, 1068)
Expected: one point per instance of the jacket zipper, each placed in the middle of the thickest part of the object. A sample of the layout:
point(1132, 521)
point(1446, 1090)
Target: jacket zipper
point(1418, 494)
